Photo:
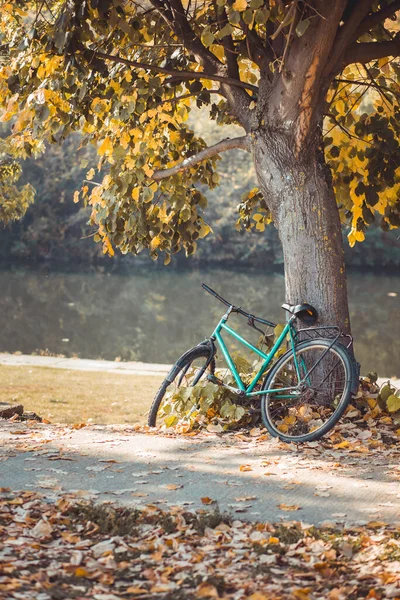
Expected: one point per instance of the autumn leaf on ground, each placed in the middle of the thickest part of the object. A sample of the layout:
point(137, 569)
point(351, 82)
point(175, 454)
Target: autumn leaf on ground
point(245, 498)
point(207, 500)
point(206, 590)
point(172, 486)
point(288, 507)
point(245, 468)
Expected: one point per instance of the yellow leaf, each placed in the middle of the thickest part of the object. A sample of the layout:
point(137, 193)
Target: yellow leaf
point(218, 51)
point(107, 247)
point(245, 468)
point(340, 107)
point(148, 170)
point(155, 242)
point(135, 193)
point(239, 5)
point(76, 196)
point(344, 444)
point(204, 230)
point(351, 238)
point(105, 147)
point(81, 572)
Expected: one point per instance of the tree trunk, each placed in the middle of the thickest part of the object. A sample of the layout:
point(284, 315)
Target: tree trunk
point(299, 194)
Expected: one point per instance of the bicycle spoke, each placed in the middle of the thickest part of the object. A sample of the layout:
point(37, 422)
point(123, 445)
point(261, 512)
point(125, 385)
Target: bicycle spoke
point(321, 381)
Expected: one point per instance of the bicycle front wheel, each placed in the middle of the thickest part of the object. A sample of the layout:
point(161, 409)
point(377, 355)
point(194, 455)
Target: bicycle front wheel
point(186, 373)
point(310, 390)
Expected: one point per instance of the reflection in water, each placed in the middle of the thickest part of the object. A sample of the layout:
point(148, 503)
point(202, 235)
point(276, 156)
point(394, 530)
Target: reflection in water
point(154, 315)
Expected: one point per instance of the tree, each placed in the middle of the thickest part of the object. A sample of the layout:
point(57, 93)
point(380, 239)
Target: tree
point(308, 81)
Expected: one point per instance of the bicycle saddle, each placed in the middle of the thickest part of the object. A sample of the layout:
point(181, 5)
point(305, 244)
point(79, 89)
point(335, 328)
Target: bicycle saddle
point(305, 312)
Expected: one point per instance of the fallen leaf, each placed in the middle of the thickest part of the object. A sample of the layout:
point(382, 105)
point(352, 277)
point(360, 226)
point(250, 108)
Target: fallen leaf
point(42, 529)
point(207, 500)
point(81, 572)
point(245, 498)
point(376, 524)
point(206, 590)
point(245, 468)
point(288, 507)
point(171, 486)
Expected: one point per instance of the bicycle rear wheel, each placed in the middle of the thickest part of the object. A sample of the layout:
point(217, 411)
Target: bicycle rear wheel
point(314, 394)
point(188, 370)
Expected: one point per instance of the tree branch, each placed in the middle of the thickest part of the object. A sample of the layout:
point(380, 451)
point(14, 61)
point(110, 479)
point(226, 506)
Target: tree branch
point(373, 83)
point(176, 75)
point(377, 17)
point(174, 15)
point(238, 100)
point(366, 51)
point(347, 32)
point(222, 146)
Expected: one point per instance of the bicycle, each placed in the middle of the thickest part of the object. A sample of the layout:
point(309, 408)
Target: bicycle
point(305, 391)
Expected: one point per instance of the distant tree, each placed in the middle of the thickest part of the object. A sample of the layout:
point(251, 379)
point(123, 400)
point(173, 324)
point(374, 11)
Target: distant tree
point(310, 83)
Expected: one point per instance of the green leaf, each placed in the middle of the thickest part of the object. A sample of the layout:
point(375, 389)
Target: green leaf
point(386, 391)
point(248, 16)
point(302, 27)
point(393, 403)
point(207, 38)
point(148, 194)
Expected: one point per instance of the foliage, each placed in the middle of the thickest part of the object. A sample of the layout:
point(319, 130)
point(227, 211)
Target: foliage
point(362, 146)
point(127, 75)
point(14, 201)
point(216, 409)
point(55, 228)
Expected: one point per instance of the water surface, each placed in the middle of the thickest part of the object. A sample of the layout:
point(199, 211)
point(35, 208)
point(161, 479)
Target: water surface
point(153, 315)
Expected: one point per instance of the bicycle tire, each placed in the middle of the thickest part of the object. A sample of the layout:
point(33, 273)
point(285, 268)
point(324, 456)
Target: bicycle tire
point(276, 413)
point(197, 352)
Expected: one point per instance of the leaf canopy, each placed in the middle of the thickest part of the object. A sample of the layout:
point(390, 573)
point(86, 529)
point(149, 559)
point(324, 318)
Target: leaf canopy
point(126, 75)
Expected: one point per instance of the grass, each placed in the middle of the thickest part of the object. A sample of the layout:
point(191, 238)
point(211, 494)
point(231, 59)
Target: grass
point(64, 396)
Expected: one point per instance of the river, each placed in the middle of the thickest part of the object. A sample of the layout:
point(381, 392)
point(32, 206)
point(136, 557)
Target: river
point(153, 315)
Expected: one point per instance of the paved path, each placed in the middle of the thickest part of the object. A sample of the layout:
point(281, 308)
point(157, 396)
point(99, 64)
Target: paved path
point(83, 364)
point(253, 478)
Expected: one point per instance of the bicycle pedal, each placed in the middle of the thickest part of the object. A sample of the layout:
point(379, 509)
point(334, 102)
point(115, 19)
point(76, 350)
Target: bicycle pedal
point(215, 380)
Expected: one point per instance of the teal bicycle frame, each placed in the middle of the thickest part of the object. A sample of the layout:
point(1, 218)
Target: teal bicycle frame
point(248, 391)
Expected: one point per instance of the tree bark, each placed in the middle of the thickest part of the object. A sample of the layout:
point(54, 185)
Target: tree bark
point(299, 194)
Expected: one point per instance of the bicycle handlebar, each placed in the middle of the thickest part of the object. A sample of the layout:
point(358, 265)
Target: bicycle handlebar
point(236, 308)
point(220, 298)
